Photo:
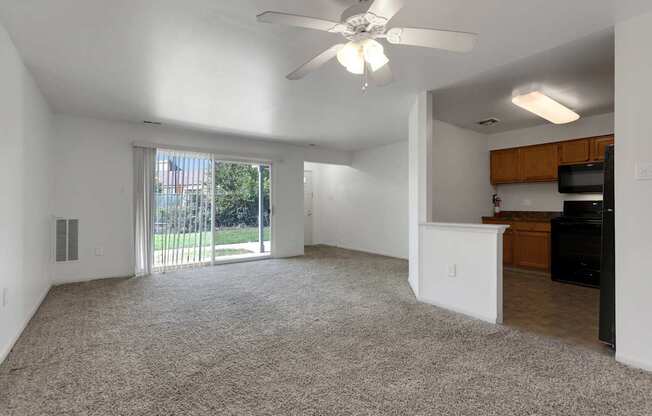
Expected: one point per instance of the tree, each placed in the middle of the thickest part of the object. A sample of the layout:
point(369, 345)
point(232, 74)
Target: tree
point(236, 195)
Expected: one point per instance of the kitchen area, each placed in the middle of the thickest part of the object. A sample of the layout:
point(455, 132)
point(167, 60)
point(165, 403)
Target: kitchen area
point(530, 145)
point(572, 248)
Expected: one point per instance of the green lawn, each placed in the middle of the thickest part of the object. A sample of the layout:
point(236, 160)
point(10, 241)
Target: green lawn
point(223, 236)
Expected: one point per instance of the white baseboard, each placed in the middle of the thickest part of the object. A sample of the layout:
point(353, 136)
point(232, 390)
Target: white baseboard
point(471, 314)
point(415, 290)
point(4, 352)
point(359, 250)
point(633, 362)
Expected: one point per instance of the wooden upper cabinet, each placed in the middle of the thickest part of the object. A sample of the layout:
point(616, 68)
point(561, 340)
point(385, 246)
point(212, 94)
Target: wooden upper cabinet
point(575, 151)
point(539, 163)
point(505, 166)
point(599, 146)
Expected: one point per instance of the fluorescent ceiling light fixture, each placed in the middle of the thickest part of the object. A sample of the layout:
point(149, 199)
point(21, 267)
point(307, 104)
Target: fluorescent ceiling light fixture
point(355, 55)
point(545, 107)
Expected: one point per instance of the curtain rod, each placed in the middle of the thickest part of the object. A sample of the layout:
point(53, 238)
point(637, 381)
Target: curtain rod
point(215, 153)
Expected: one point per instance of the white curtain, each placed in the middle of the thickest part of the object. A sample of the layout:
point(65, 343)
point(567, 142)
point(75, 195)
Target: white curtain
point(144, 170)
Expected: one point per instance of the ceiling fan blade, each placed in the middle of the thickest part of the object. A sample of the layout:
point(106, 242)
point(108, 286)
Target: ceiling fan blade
point(315, 63)
point(383, 76)
point(386, 8)
point(298, 21)
point(432, 38)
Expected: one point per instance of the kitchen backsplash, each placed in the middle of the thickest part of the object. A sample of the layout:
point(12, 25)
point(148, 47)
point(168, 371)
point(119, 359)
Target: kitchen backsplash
point(537, 197)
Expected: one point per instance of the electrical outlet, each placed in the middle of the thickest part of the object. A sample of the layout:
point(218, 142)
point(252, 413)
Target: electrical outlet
point(5, 297)
point(644, 171)
point(452, 270)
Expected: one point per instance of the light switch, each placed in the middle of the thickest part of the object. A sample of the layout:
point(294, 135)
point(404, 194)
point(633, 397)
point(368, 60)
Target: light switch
point(99, 251)
point(644, 171)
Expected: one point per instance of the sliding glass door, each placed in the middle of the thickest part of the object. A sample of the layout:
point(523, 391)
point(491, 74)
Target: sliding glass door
point(242, 223)
point(209, 210)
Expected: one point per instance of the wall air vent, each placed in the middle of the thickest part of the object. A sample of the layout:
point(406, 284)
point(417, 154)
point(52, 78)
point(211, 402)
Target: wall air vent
point(488, 122)
point(67, 240)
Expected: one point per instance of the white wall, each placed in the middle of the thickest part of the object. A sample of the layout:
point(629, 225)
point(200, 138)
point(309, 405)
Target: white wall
point(364, 206)
point(94, 182)
point(544, 196)
point(462, 270)
point(25, 123)
point(550, 133)
point(461, 187)
point(538, 197)
point(633, 197)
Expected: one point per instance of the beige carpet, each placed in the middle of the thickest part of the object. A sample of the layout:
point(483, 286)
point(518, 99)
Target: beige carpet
point(334, 333)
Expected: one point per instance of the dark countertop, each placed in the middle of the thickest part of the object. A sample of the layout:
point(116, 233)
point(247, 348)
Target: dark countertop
point(524, 216)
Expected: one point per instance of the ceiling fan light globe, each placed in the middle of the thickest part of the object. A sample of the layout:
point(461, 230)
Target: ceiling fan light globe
point(349, 54)
point(356, 67)
point(378, 63)
point(374, 54)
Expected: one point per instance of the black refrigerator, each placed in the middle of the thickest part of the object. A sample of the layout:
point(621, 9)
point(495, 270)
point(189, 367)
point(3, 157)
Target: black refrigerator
point(608, 262)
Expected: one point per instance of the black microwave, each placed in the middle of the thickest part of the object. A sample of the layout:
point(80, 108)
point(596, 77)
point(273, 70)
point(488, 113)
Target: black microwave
point(584, 178)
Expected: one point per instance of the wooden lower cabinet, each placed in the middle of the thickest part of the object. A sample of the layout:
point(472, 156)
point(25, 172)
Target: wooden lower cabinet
point(532, 250)
point(526, 245)
point(508, 248)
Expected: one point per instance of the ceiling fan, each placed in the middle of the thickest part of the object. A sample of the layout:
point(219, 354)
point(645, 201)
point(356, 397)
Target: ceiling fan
point(361, 25)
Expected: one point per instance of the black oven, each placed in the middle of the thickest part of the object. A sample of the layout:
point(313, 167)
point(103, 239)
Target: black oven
point(585, 178)
point(577, 243)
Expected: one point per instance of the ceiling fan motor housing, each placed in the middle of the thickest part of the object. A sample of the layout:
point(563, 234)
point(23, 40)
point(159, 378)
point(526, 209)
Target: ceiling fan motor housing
point(359, 24)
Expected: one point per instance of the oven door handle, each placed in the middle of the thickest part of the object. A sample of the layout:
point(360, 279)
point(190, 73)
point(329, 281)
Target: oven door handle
point(579, 224)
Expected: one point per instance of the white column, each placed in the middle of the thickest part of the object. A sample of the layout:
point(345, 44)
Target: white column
point(420, 168)
point(634, 192)
point(261, 226)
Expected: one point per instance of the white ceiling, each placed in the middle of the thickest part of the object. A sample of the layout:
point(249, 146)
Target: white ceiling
point(208, 64)
point(579, 74)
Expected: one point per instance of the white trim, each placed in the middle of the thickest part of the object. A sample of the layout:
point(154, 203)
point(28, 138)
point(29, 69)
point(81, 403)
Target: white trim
point(479, 228)
point(223, 157)
point(414, 289)
point(492, 320)
point(5, 352)
point(359, 250)
point(633, 362)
